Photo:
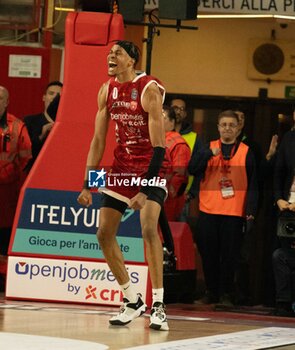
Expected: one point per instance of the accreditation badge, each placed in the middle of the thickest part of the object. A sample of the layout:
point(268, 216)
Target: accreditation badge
point(226, 188)
point(292, 192)
point(292, 197)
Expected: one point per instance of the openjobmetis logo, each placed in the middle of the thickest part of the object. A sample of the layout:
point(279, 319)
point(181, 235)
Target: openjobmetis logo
point(22, 268)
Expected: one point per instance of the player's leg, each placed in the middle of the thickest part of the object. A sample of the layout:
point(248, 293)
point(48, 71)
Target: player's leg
point(109, 221)
point(149, 217)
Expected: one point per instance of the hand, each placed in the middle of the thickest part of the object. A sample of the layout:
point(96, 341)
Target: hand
point(282, 204)
point(172, 192)
point(292, 206)
point(138, 201)
point(272, 147)
point(46, 130)
point(188, 196)
point(215, 151)
point(85, 198)
point(249, 223)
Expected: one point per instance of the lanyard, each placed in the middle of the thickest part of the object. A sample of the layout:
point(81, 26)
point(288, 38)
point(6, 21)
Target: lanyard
point(225, 163)
point(5, 138)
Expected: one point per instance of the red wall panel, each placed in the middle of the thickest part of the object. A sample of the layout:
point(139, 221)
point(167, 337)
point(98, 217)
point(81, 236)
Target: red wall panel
point(25, 93)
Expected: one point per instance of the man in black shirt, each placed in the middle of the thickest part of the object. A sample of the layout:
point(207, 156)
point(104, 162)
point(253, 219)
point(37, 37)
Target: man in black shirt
point(284, 257)
point(39, 125)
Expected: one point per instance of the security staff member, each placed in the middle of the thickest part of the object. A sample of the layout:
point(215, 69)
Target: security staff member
point(15, 152)
point(228, 195)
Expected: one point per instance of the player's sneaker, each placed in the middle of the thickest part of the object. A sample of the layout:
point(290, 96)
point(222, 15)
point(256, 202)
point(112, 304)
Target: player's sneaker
point(128, 312)
point(158, 318)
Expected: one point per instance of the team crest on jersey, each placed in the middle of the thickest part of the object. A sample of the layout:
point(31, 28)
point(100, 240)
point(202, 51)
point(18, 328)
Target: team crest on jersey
point(133, 105)
point(134, 94)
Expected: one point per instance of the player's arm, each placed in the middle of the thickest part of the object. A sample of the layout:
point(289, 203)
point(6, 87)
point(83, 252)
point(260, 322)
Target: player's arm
point(152, 104)
point(97, 145)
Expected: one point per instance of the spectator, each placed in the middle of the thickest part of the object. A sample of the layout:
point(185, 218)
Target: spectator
point(242, 136)
point(183, 127)
point(284, 191)
point(244, 296)
point(177, 158)
point(228, 194)
point(266, 224)
point(15, 150)
point(186, 131)
point(284, 272)
point(40, 125)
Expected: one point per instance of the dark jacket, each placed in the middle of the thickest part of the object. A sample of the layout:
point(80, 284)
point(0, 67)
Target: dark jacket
point(285, 167)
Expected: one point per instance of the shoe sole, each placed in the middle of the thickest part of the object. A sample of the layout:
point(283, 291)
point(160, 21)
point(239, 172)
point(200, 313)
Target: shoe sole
point(159, 327)
point(138, 313)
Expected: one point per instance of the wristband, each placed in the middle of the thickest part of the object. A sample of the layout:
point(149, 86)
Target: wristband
point(85, 185)
point(154, 167)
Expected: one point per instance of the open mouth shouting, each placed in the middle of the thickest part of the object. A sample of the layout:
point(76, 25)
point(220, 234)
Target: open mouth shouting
point(112, 66)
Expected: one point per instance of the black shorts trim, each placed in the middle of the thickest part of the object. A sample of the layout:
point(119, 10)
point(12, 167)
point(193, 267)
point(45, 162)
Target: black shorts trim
point(112, 202)
point(156, 194)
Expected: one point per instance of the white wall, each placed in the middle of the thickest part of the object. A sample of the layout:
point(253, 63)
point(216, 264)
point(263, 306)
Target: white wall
point(213, 60)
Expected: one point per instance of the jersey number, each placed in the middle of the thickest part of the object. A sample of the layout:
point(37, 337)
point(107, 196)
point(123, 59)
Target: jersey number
point(115, 93)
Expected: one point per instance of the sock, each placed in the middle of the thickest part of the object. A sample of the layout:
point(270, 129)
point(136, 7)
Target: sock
point(158, 295)
point(128, 292)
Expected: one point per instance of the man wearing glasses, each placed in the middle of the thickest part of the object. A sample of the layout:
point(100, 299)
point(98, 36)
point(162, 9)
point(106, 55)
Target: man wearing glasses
point(182, 126)
point(228, 195)
point(185, 129)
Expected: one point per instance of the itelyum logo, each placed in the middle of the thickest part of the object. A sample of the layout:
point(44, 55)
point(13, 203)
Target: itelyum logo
point(97, 178)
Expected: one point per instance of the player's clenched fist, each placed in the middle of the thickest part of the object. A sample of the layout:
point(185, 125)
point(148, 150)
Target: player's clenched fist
point(85, 198)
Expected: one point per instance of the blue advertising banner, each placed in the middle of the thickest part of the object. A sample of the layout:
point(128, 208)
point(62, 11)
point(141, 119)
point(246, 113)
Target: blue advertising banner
point(53, 223)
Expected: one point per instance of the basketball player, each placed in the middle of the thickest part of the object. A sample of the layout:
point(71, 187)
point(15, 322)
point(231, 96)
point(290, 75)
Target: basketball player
point(134, 102)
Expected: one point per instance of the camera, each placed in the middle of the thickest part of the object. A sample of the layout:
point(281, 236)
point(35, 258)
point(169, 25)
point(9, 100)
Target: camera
point(290, 228)
point(286, 225)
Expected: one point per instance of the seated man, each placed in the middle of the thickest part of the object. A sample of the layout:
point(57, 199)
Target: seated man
point(284, 269)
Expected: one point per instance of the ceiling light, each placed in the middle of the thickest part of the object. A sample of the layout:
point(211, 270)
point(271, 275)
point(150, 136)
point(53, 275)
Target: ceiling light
point(66, 9)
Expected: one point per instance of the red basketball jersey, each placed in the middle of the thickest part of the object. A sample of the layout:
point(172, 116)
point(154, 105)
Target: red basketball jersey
point(134, 150)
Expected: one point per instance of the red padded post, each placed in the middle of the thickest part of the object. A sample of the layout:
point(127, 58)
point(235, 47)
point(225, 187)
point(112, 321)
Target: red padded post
point(184, 249)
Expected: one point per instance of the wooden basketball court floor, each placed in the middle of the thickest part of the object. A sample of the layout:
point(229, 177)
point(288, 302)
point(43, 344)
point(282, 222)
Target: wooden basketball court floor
point(90, 323)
